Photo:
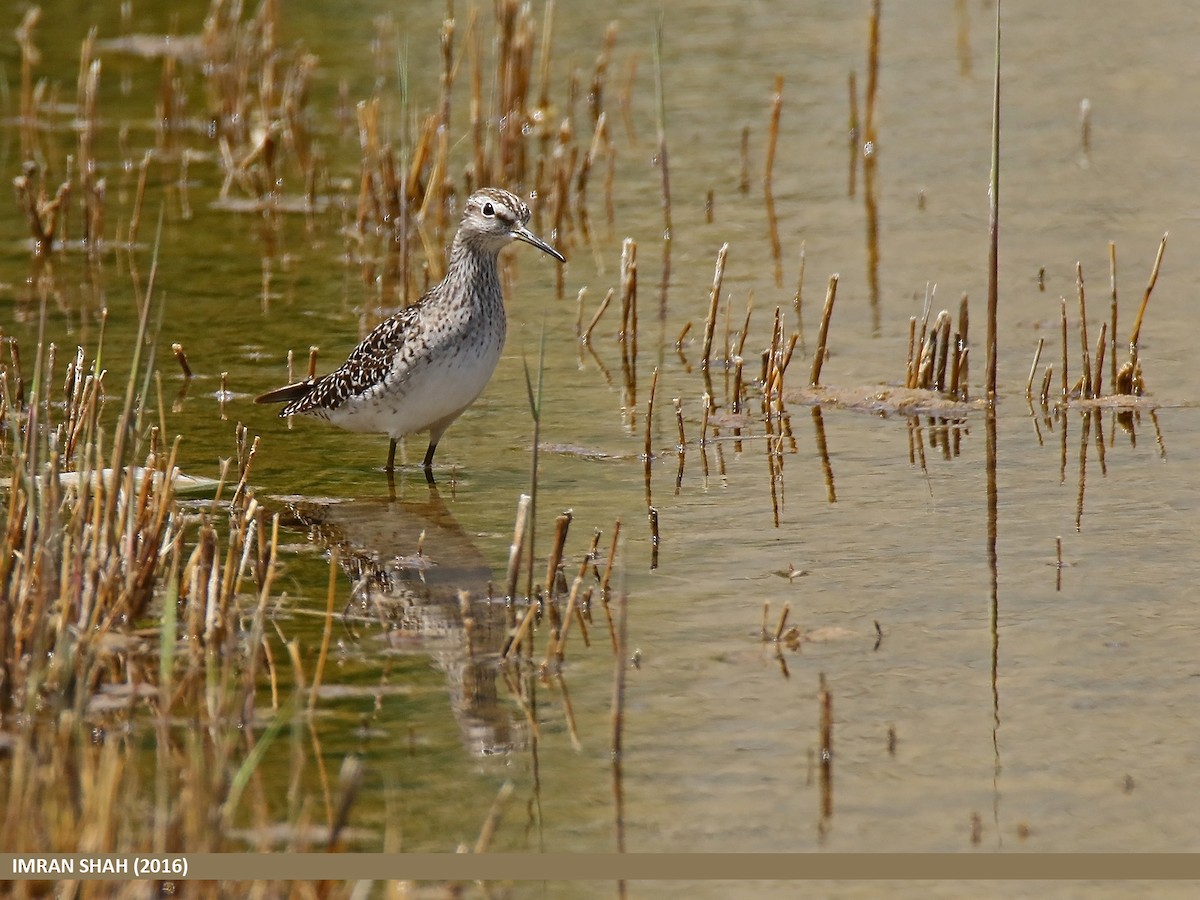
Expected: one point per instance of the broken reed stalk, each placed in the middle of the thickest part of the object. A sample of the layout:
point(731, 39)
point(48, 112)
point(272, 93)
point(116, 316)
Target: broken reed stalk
point(714, 300)
point(682, 447)
point(1098, 373)
point(741, 345)
point(604, 583)
point(629, 293)
point(772, 356)
point(587, 334)
point(798, 300)
point(958, 361)
point(1037, 355)
point(1044, 394)
point(823, 334)
point(783, 617)
point(652, 513)
point(561, 525)
point(135, 217)
point(993, 294)
point(177, 349)
point(579, 297)
point(1112, 332)
point(572, 610)
point(960, 387)
point(910, 368)
point(1086, 390)
point(941, 330)
point(1066, 387)
point(1141, 313)
point(516, 549)
point(649, 453)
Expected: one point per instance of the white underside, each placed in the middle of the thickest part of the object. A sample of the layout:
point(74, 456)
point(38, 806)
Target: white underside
point(428, 395)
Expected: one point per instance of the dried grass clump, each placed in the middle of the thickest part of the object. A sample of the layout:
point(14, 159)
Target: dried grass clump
point(110, 627)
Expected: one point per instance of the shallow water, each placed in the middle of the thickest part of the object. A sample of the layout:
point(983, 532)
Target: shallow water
point(1058, 711)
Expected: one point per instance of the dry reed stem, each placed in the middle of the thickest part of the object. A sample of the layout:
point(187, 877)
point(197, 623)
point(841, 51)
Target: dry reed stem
point(1086, 361)
point(561, 524)
point(652, 513)
point(823, 333)
point(604, 583)
point(910, 367)
point(572, 610)
point(516, 548)
point(1044, 394)
point(736, 396)
point(177, 349)
point(1112, 332)
point(648, 448)
point(714, 299)
point(682, 446)
point(1098, 374)
point(587, 334)
point(798, 299)
point(942, 332)
point(957, 364)
point(783, 617)
point(1141, 313)
point(579, 312)
point(492, 821)
point(745, 330)
point(629, 293)
point(991, 360)
point(1063, 318)
point(1037, 355)
point(787, 359)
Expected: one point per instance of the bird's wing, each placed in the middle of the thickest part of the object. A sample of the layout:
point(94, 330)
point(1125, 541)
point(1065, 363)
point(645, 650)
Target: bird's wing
point(367, 365)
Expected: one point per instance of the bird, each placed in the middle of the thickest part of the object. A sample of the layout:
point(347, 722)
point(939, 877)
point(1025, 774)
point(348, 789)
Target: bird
point(420, 369)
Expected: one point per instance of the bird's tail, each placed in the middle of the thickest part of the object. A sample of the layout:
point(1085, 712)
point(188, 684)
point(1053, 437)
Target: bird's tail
point(289, 393)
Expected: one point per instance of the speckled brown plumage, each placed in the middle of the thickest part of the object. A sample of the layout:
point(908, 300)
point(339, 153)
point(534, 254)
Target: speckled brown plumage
point(421, 368)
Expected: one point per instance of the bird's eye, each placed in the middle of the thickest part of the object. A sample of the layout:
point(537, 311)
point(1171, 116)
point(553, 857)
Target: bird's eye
point(489, 210)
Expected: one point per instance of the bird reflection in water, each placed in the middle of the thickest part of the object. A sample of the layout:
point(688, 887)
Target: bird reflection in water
point(418, 574)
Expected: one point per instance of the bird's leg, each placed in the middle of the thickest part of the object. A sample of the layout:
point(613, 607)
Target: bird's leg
point(428, 464)
point(391, 464)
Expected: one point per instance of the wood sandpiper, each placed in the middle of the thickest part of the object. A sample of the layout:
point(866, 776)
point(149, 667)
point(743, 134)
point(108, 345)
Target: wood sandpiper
point(421, 368)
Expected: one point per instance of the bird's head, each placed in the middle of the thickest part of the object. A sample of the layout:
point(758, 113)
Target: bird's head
point(494, 217)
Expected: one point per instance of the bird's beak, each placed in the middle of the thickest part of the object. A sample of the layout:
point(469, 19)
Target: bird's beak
point(524, 234)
